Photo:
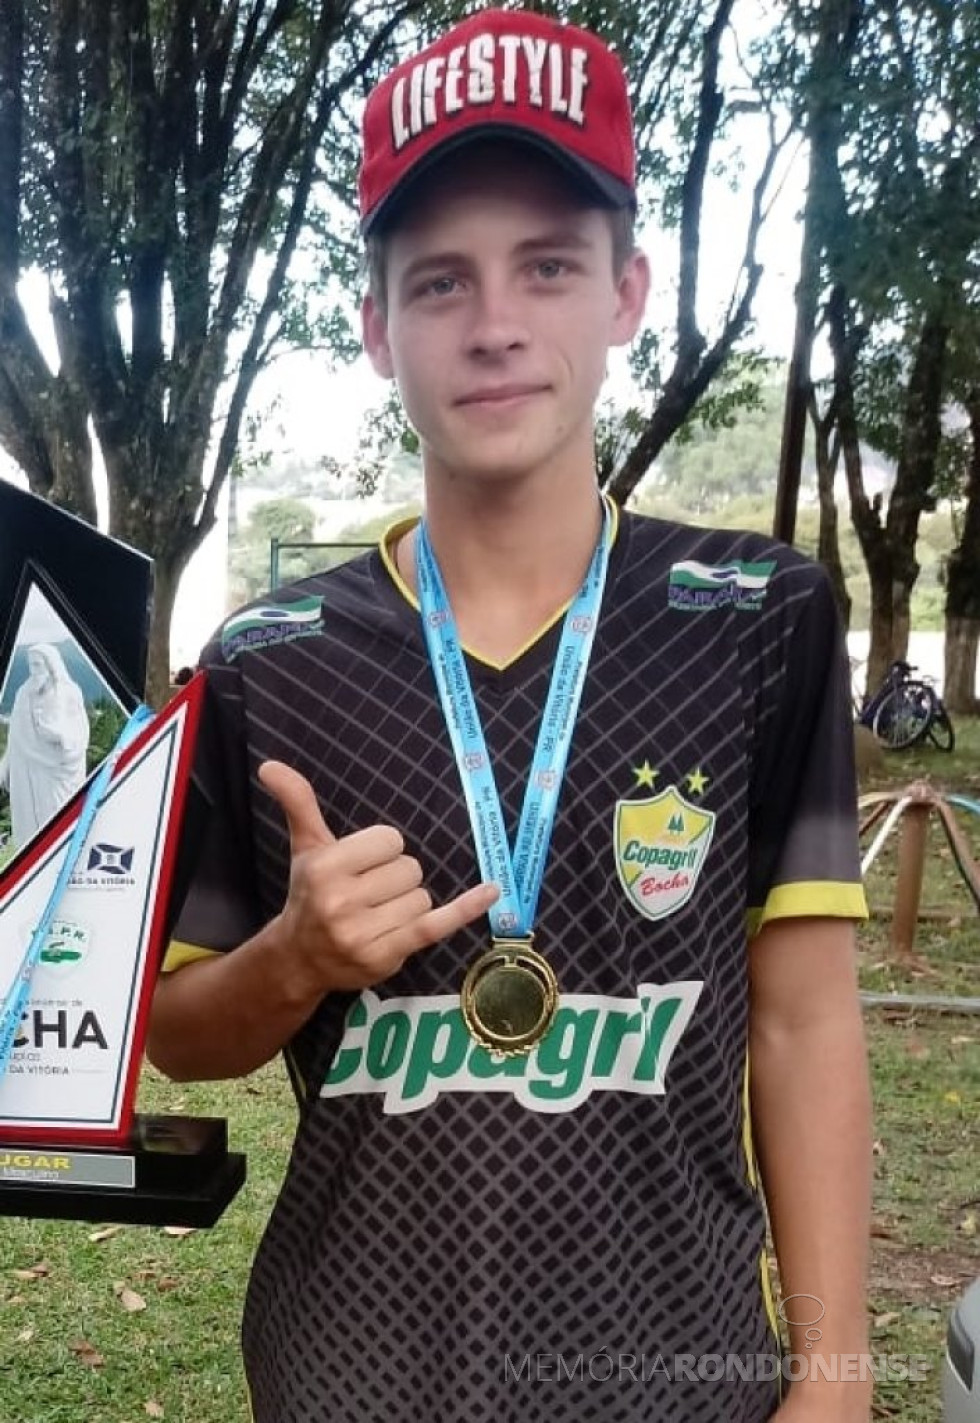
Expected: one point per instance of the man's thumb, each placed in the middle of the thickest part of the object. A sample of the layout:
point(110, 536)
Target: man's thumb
point(297, 799)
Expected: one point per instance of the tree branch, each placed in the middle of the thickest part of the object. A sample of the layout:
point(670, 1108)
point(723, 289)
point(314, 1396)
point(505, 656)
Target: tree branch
point(690, 341)
point(83, 233)
point(11, 141)
point(154, 162)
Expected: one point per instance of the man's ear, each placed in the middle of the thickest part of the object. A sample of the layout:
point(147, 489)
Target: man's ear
point(374, 335)
point(632, 289)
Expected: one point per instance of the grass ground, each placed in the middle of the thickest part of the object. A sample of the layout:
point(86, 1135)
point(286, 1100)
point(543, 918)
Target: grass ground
point(926, 1072)
point(138, 1323)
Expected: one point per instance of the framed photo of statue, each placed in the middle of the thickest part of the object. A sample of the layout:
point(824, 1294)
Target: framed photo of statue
point(62, 707)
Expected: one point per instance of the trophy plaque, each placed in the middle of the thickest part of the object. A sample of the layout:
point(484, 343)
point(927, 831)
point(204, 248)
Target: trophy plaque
point(93, 838)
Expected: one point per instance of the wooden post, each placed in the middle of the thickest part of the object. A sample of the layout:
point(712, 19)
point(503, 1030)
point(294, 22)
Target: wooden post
point(908, 887)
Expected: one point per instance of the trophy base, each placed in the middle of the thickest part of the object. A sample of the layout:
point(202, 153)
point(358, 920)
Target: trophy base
point(170, 1171)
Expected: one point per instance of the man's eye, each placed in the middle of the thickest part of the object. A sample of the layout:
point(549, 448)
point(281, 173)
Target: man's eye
point(551, 267)
point(441, 286)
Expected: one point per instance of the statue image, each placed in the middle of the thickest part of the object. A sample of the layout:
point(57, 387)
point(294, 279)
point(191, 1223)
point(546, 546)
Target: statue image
point(44, 762)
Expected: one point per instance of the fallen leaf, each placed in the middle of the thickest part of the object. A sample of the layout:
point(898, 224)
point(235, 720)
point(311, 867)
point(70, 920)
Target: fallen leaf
point(882, 1321)
point(918, 1050)
point(968, 1224)
point(17, 1299)
point(105, 1233)
point(945, 1282)
point(86, 1353)
point(879, 1149)
point(26, 1335)
point(953, 1097)
point(959, 1038)
point(153, 1409)
point(878, 1232)
point(177, 1232)
point(167, 1282)
point(131, 1302)
point(36, 1272)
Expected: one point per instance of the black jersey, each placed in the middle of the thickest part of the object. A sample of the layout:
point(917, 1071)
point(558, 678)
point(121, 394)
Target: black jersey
point(467, 1237)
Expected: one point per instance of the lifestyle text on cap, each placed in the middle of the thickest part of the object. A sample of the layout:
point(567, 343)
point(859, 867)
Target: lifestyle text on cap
point(500, 73)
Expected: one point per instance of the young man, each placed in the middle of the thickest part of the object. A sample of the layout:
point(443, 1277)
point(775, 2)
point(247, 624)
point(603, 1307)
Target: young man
point(531, 831)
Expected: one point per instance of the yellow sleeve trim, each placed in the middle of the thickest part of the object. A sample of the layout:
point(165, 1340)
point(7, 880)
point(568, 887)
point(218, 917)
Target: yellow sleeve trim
point(752, 1172)
point(179, 955)
point(814, 899)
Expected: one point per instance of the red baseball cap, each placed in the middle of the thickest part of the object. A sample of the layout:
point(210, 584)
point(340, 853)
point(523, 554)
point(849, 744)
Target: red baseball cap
point(500, 74)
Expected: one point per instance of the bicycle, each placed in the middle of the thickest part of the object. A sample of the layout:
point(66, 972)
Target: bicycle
point(906, 710)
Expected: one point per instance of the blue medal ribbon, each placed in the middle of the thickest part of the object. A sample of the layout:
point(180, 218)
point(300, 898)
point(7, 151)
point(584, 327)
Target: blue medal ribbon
point(520, 875)
point(18, 995)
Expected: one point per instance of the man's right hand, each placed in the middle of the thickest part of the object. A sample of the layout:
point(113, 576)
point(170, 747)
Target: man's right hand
point(356, 907)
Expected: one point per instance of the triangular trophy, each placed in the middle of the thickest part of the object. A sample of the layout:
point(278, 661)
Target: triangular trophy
point(69, 1144)
point(78, 959)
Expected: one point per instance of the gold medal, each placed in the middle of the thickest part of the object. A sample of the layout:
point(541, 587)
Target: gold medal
point(509, 997)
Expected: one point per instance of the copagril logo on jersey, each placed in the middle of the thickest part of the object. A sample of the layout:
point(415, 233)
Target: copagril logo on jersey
point(660, 845)
point(412, 1050)
point(694, 586)
point(269, 624)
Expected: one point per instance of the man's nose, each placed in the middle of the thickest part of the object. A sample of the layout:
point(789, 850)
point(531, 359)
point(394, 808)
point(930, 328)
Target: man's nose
point(499, 318)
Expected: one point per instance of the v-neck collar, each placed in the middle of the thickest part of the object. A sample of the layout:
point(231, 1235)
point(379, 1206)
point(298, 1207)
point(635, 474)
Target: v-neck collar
point(401, 527)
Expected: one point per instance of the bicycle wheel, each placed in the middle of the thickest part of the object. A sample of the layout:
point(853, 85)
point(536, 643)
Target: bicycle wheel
point(904, 715)
point(940, 730)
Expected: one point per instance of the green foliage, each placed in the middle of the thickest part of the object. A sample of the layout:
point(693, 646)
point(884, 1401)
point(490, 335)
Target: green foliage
point(106, 721)
point(181, 175)
point(749, 383)
point(728, 449)
point(889, 92)
point(725, 477)
point(288, 520)
point(249, 556)
point(385, 437)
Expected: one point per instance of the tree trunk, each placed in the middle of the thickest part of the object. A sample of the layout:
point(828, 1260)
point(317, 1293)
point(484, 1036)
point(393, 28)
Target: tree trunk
point(960, 657)
point(166, 578)
point(828, 553)
point(828, 540)
point(963, 588)
point(913, 491)
point(845, 338)
point(881, 651)
point(901, 617)
point(696, 364)
point(837, 35)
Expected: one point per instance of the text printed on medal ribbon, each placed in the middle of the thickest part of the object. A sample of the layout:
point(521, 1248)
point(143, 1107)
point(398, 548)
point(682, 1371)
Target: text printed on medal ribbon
point(412, 1050)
